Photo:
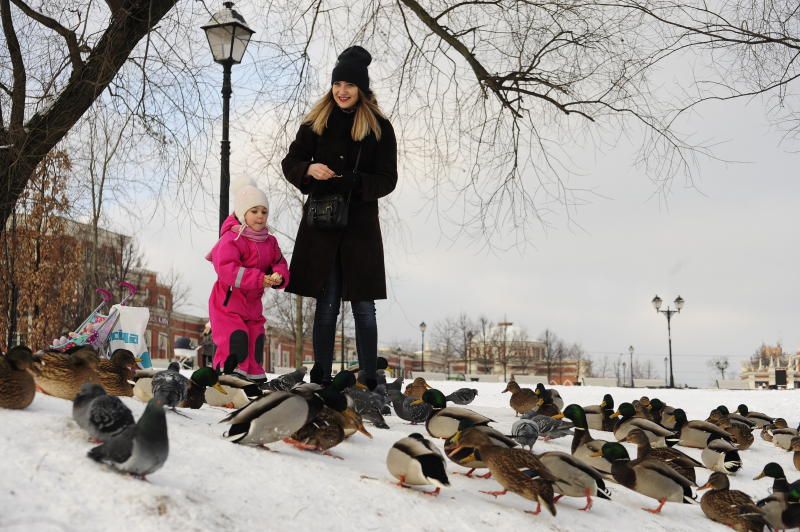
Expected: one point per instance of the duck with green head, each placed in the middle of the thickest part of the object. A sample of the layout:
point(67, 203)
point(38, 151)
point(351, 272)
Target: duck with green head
point(584, 446)
point(199, 381)
point(680, 462)
point(444, 420)
point(648, 477)
point(598, 417)
point(758, 418)
point(696, 433)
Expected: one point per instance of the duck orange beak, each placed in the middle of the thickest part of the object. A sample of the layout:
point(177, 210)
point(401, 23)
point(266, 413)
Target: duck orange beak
point(220, 389)
point(560, 415)
point(705, 486)
point(596, 454)
point(602, 404)
point(615, 415)
point(417, 402)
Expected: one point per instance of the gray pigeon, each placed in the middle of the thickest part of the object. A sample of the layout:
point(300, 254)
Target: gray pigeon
point(285, 382)
point(369, 405)
point(396, 384)
point(170, 387)
point(140, 449)
point(101, 415)
point(404, 408)
point(549, 428)
point(525, 432)
point(462, 396)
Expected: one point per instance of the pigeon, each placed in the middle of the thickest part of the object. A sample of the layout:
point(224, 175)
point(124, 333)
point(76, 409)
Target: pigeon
point(549, 428)
point(285, 382)
point(170, 387)
point(462, 396)
point(140, 449)
point(103, 416)
point(369, 405)
point(525, 432)
point(405, 408)
point(397, 384)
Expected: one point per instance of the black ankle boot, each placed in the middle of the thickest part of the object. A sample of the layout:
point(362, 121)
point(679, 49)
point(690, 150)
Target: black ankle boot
point(315, 375)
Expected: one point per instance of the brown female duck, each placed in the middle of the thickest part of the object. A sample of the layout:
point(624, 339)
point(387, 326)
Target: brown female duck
point(417, 388)
point(114, 374)
point(680, 462)
point(517, 470)
point(16, 384)
point(61, 375)
point(732, 508)
point(466, 456)
point(522, 399)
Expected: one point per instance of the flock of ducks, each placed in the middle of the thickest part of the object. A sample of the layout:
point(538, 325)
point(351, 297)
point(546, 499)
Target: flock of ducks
point(317, 418)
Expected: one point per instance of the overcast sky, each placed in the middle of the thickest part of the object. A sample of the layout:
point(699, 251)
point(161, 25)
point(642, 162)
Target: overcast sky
point(728, 244)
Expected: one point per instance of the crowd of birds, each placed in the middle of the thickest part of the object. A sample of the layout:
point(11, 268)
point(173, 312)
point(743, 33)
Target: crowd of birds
point(317, 418)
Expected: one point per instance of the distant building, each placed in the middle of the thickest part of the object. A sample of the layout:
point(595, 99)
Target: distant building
point(774, 369)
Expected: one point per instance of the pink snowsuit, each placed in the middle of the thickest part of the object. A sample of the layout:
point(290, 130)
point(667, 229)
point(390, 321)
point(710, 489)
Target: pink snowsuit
point(235, 309)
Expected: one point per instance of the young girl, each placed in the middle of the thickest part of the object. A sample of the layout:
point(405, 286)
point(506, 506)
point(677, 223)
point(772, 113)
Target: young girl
point(247, 260)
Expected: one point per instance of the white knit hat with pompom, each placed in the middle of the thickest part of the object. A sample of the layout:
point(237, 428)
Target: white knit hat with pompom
point(246, 195)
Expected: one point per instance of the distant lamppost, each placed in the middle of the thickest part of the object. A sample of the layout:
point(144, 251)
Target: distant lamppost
point(505, 325)
point(422, 327)
point(666, 381)
point(623, 371)
point(470, 335)
point(228, 35)
point(679, 302)
point(630, 350)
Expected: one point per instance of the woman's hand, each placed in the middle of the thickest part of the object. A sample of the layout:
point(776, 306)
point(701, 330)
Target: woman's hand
point(320, 172)
point(275, 279)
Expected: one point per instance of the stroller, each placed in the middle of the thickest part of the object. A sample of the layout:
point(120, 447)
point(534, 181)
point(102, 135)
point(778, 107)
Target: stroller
point(97, 327)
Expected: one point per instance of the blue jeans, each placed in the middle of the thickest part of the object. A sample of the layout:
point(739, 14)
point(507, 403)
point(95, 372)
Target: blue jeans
point(324, 333)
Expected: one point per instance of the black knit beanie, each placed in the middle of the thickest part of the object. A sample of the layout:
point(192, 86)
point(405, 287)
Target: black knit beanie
point(351, 66)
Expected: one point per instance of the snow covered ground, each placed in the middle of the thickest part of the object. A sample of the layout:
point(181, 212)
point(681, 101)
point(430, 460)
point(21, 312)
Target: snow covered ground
point(48, 484)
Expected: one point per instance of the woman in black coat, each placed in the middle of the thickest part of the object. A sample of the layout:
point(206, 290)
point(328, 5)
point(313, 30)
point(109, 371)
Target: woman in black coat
point(344, 145)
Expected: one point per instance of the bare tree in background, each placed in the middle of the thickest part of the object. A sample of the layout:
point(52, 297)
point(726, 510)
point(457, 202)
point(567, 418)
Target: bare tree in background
point(446, 337)
point(485, 356)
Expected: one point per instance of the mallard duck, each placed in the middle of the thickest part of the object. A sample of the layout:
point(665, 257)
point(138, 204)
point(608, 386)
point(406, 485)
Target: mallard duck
point(598, 417)
point(116, 373)
point(736, 416)
point(575, 478)
point(417, 388)
point(354, 423)
point(17, 387)
point(641, 407)
point(721, 455)
point(549, 393)
point(584, 446)
point(408, 408)
point(697, 433)
point(462, 396)
point(656, 411)
point(61, 375)
point(140, 449)
point(326, 429)
point(658, 435)
point(783, 437)
point(522, 399)
point(444, 421)
point(680, 462)
point(516, 470)
point(766, 430)
point(466, 457)
point(546, 407)
point(732, 508)
point(201, 380)
point(648, 477)
point(780, 513)
point(780, 486)
point(103, 416)
point(415, 461)
point(742, 432)
point(270, 418)
point(757, 418)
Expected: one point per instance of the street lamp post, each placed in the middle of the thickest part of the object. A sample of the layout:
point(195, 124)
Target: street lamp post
point(630, 350)
point(470, 334)
point(679, 302)
point(228, 35)
point(422, 327)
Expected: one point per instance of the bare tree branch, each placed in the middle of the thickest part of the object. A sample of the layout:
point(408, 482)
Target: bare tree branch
point(68, 35)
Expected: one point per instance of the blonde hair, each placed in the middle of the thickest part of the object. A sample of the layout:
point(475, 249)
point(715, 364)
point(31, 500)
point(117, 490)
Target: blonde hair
point(366, 119)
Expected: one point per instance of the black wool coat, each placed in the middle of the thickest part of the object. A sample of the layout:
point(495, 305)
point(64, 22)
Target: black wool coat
point(359, 246)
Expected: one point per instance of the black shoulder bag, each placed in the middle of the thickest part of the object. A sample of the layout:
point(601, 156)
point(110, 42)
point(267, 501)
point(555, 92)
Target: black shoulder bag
point(329, 211)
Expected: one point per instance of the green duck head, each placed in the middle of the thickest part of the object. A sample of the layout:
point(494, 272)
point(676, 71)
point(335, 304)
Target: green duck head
point(656, 404)
point(205, 377)
point(722, 409)
point(680, 418)
point(742, 409)
point(608, 402)
point(576, 414)
point(435, 398)
point(626, 410)
point(333, 398)
point(343, 380)
point(615, 452)
point(772, 470)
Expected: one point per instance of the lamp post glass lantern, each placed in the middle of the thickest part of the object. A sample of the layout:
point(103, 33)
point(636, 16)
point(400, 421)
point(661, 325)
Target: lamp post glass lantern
point(422, 327)
point(228, 36)
point(679, 302)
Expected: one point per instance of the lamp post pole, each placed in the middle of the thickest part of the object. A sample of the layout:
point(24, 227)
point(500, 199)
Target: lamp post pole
point(505, 325)
point(679, 302)
point(470, 334)
point(225, 144)
point(422, 327)
point(666, 381)
point(630, 350)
